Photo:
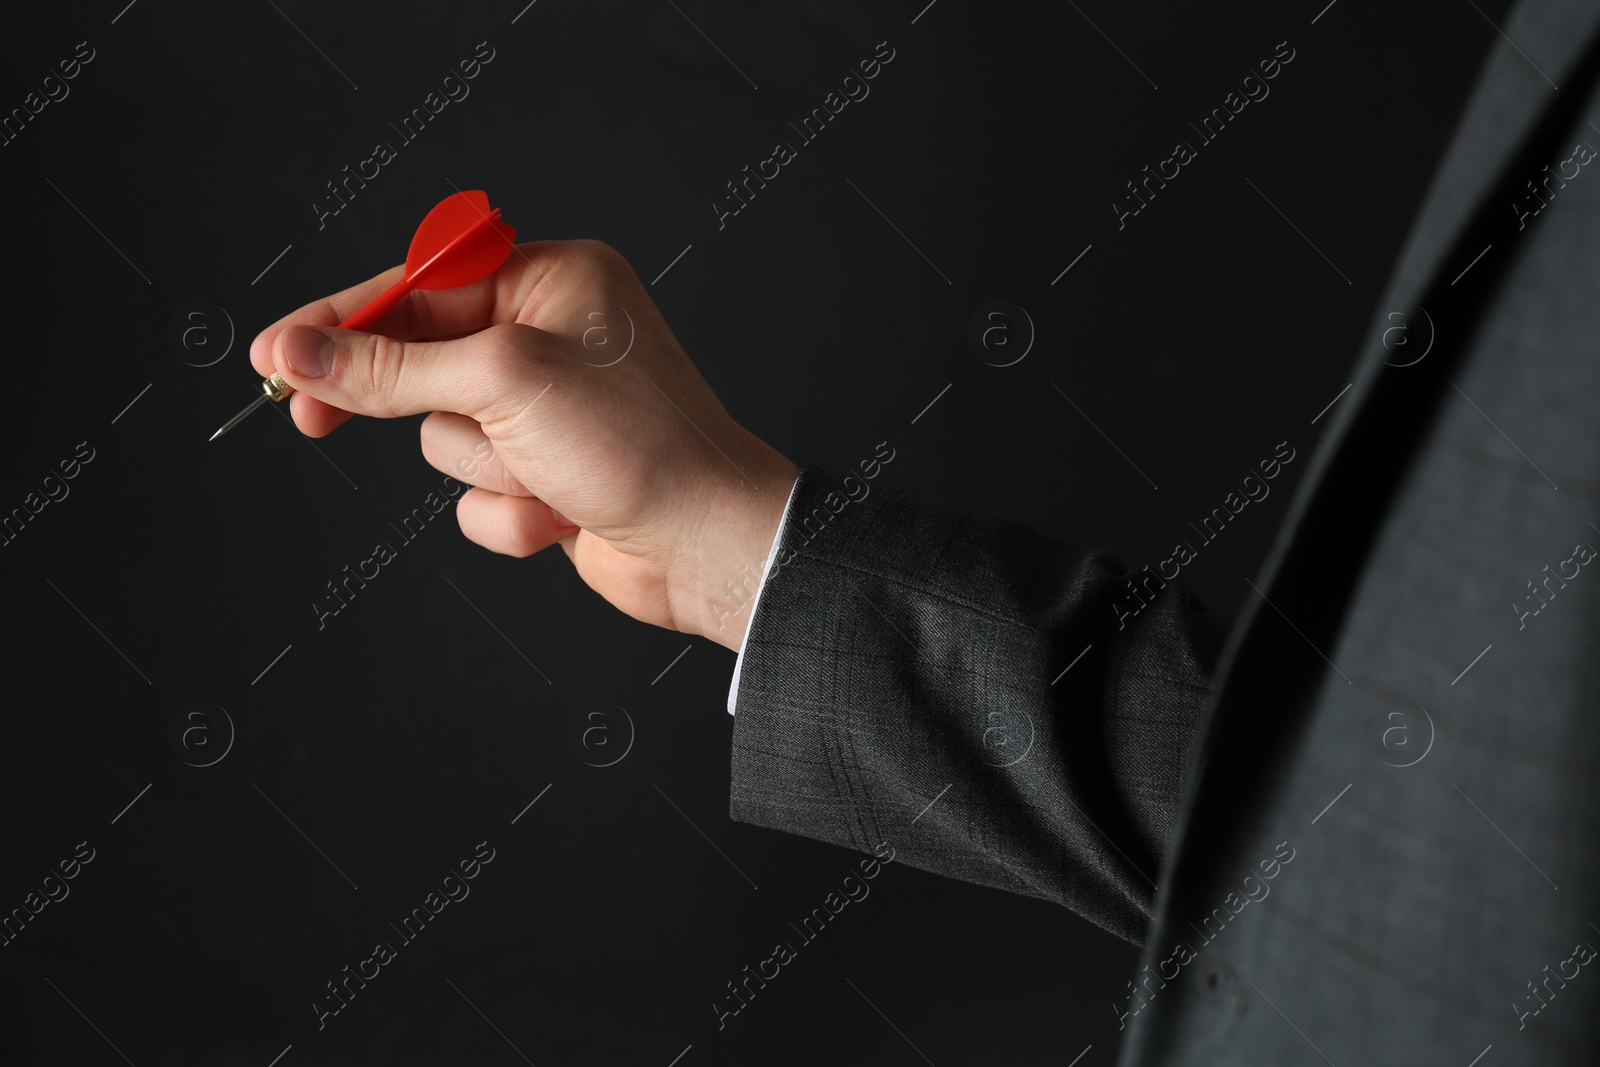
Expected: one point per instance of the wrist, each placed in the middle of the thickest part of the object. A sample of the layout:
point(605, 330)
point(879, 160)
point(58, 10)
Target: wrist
point(713, 582)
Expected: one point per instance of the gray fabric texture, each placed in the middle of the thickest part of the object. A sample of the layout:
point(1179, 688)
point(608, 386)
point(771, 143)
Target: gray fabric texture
point(903, 646)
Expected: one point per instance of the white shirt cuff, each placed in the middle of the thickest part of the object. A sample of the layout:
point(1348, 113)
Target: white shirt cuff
point(733, 687)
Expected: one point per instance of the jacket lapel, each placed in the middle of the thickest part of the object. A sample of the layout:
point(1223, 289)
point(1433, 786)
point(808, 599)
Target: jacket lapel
point(1511, 94)
point(1509, 98)
point(1523, 82)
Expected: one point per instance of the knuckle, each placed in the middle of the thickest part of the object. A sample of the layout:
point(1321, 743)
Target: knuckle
point(522, 536)
point(380, 362)
point(468, 529)
point(427, 435)
point(594, 250)
point(604, 260)
point(507, 344)
point(507, 526)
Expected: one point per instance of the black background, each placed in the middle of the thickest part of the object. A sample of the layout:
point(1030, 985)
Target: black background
point(188, 155)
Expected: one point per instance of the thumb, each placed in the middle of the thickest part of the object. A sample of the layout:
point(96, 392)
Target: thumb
point(479, 376)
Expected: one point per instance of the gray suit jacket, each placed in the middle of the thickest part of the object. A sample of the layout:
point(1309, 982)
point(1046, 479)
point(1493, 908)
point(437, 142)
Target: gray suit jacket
point(1380, 845)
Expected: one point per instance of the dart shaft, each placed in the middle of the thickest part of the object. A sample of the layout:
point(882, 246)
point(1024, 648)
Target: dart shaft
point(374, 309)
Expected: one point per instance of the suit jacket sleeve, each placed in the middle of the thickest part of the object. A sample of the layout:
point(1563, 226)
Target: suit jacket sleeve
point(996, 705)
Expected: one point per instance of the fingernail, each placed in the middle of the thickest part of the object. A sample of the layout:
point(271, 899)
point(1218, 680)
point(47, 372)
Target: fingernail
point(309, 352)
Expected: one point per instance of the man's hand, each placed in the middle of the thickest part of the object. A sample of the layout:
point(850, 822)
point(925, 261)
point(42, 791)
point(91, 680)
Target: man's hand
point(666, 506)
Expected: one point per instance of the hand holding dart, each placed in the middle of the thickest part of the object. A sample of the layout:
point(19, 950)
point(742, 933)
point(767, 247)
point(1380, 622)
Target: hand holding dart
point(459, 242)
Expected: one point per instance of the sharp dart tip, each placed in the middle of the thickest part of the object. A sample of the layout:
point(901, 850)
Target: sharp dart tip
point(237, 419)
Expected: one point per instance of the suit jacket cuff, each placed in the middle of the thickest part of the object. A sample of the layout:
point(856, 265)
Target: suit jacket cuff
point(997, 705)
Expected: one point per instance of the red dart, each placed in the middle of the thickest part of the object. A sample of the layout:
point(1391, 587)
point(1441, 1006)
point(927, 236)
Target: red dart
point(461, 241)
